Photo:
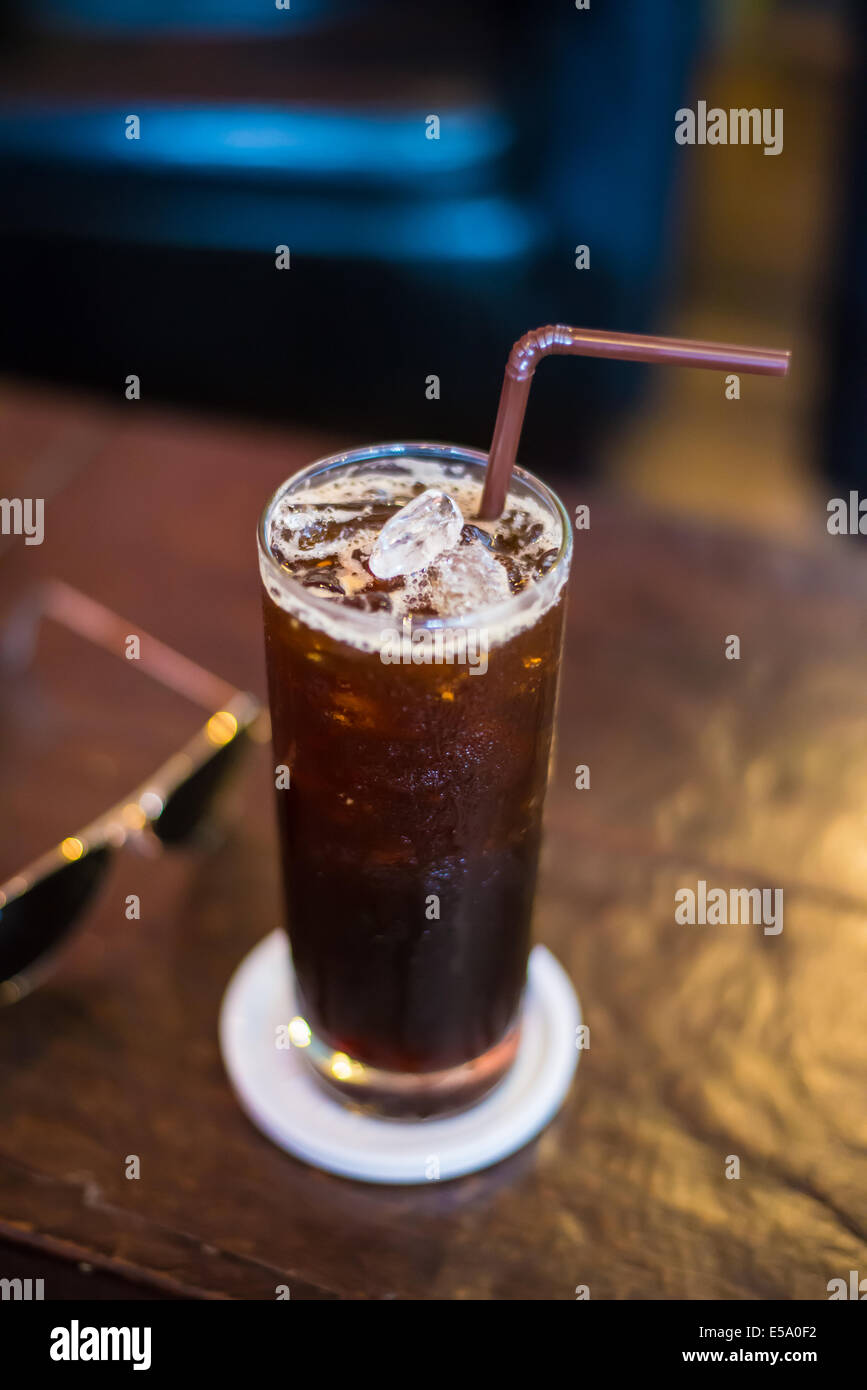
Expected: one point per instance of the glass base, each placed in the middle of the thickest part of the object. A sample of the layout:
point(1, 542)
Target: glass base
point(395, 1095)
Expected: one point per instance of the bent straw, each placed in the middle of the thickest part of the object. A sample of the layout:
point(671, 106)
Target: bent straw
point(591, 342)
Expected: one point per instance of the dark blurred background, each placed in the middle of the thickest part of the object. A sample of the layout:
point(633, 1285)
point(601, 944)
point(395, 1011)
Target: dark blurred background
point(306, 128)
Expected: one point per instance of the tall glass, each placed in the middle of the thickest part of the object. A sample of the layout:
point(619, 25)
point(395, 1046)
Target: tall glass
point(410, 825)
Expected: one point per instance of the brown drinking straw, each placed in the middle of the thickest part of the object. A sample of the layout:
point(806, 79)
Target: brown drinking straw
point(591, 342)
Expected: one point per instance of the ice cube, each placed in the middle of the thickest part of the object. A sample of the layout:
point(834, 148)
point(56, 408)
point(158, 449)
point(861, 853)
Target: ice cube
point(417, 534)
point(467, 578)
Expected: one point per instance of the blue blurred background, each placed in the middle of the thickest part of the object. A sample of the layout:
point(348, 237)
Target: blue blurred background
point(306, 127)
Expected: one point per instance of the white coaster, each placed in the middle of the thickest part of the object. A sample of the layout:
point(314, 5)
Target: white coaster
point(277, 1091)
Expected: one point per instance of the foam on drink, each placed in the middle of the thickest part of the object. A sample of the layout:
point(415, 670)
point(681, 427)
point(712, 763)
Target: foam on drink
point(323, 533)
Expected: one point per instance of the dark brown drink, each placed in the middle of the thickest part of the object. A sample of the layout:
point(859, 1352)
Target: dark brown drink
point(414, 714)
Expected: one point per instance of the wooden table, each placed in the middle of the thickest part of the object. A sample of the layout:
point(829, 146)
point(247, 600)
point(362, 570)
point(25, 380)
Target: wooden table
point(706, 1042)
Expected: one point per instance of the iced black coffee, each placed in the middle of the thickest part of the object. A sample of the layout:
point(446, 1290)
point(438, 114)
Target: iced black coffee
point(413, 655)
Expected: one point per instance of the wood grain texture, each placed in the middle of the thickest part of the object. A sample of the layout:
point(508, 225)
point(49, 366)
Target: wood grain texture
point(705, 1041)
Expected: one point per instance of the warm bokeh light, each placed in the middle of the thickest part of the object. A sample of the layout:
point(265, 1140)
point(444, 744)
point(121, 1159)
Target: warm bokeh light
point(222, 727)
point(71, 849)
point(299, 1032)
point(341, 1066)
point(133, 816)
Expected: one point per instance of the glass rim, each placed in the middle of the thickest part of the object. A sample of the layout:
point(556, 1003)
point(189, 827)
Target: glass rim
point(492, 614)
